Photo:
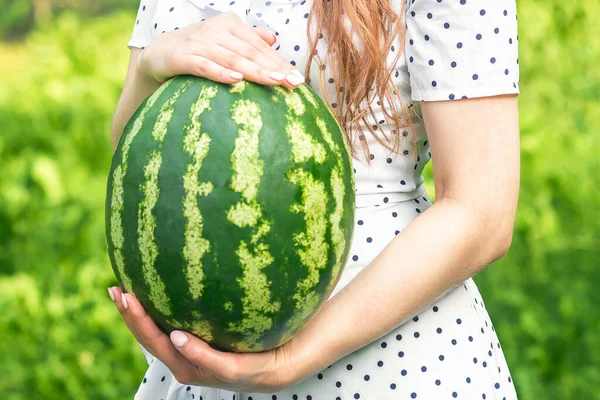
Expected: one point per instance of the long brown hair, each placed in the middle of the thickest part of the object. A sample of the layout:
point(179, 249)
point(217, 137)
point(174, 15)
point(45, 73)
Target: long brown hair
point(363, 69)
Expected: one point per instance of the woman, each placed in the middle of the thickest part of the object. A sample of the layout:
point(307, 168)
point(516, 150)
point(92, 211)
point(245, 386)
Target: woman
point(406, 320)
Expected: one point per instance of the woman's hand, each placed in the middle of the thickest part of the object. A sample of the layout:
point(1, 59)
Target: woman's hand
point(194, 362)
point(218, 48)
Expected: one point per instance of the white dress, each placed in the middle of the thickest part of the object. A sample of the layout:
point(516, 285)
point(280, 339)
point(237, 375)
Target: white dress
point(453, 49)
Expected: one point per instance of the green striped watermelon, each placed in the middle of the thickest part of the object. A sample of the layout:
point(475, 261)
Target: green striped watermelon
point(230, 210)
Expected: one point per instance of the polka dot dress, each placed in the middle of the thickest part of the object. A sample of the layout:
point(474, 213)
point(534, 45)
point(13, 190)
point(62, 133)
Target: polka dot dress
point(454, 49)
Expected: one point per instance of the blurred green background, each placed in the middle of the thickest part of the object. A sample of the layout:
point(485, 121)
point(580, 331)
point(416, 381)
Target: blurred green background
point(62, 66)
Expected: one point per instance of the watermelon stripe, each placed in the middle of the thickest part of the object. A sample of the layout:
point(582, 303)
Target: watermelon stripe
point(312, 243)
point(196, 145)
point(238, 87)
point(304, 146)
point(116, 207)
point(146, 220)
point(248, 170)
point(308, 95)
point(198, 327)
point(338, 188)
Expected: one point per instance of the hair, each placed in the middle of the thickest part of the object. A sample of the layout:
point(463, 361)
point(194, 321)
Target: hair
point(361, 70)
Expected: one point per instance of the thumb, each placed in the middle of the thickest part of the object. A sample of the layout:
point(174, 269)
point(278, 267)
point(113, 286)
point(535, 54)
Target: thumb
point(265, 35)
point(195, 350)
point(202, 355)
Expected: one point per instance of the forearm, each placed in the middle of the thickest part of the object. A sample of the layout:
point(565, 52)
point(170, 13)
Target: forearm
point(137, 88)
point(437, 251)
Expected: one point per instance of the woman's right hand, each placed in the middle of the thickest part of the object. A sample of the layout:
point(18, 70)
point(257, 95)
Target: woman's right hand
point(214, 49)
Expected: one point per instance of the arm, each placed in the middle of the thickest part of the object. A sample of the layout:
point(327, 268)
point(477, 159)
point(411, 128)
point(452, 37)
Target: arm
point(137, 87)
point(475, 147)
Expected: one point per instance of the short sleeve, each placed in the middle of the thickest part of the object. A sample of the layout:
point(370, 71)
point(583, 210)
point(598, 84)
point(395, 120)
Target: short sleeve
point(142, 30)
point(458, 49)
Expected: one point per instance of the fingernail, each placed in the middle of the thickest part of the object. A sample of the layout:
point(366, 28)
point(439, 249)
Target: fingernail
point(178, 338)
point(294, 79)
point(278, 76)
point(236, 75)
point(124, 300)
point(295, 71)
point(274, 37)
point(110, 293)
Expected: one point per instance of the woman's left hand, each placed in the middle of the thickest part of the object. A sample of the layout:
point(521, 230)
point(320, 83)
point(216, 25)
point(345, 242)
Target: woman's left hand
point(193, 362)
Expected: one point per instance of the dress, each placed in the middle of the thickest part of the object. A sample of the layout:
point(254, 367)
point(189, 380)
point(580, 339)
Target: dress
point(453, 49)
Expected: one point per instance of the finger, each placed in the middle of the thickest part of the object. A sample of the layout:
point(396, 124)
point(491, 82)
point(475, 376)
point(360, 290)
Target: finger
point(265, 35)
point(116, 291)
point(204, 67)
point(233, 60)
point(223, 366)
point(149, 333)
point(246, 51)
point(243, 32)
point(153, 337)
point(252, 38)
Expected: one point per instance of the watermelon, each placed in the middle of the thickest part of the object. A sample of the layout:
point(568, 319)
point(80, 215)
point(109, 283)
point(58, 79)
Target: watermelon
point(230, 210)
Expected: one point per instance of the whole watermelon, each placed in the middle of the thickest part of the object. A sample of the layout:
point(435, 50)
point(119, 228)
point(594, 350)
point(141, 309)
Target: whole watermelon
point(230, 210)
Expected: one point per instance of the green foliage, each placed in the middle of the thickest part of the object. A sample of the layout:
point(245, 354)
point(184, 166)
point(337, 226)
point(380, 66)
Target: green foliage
point(61, 337)
point(15, 16)
point(19, 16)
point(542, 295)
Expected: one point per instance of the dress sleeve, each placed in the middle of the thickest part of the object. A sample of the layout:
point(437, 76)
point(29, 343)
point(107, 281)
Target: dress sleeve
point(142, 31)
point(458, 49)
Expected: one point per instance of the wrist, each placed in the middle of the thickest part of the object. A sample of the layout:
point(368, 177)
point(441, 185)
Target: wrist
point(148, 70)
point(308, 352)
